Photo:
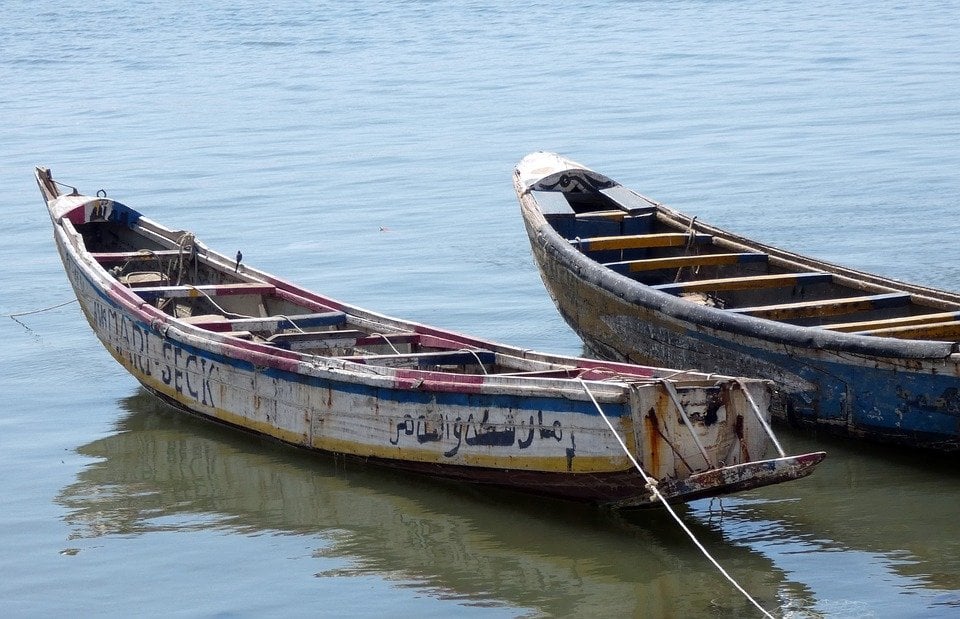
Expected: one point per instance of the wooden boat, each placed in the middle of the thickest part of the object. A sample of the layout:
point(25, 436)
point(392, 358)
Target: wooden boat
point(855, 354)
point(220, 339)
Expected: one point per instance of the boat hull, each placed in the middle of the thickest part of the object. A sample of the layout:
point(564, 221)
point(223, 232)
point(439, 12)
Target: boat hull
point(879, 389)
point(485, 414)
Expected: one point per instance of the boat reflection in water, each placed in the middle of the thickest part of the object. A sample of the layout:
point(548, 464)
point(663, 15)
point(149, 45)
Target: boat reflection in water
point(163, 471)
point(870, 516)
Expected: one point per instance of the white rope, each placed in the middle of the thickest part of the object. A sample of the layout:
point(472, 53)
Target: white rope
point(475, 356)
point(763, 422)
point(652, 486)
point(37, 311)
point(387, 340)
point(214, 303)
point(292, 323)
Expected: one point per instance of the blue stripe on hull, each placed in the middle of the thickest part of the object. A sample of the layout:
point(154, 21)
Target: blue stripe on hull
point(880, 403)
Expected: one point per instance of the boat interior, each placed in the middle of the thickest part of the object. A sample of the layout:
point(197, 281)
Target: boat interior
point(200, 289)
point(635, 238)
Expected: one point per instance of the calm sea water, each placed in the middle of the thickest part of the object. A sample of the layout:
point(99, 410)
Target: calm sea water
point(365, 150)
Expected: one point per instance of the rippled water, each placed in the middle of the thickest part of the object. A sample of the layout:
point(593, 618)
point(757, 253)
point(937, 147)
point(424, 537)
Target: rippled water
point(365, 150)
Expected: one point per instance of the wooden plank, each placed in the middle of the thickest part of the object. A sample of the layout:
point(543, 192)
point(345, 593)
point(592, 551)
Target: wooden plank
point(612, 215)
point(552, 203)
point(396, 339)
point(627, 200)
point(676, 262)
point(217, 322)
point(119, 257)
point(151, 293)
point(443, 357)
point(276, 323)
point(639, 241)
point(317, 339)
point(779, 280)
point(903, 321)
point(948, 331)
point(826, 307)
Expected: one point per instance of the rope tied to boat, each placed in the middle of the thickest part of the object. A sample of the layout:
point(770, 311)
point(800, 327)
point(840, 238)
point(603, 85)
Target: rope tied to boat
point(651, 484)
point(186, 245)
point(763, 421)
point(675, 398)
point(691, 238)
point(16, 315)
point(387, 340)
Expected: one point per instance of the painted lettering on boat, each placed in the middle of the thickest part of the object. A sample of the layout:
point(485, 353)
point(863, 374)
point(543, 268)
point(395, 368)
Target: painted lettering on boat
point(149, 355)
point(476, 431)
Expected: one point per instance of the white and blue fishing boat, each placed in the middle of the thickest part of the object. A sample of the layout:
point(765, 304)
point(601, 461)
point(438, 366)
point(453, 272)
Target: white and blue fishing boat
point(856, 354)
point(215, 337)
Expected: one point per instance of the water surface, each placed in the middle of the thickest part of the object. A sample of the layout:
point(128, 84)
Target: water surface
point(365, 150)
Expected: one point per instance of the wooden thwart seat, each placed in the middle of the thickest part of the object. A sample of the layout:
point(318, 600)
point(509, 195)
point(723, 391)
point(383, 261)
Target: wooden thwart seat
point(948, 331)
point(676, 262)
point(342, 337)
point(117, 257)
point(151, 293)
point(903, 321)
point(553, 203)
point(627, 200)
point(639, 241)
point(779, 280)
point(316, 339)
point(442, 357)
point(826, 307)
point(611, 215)
point(216, 322)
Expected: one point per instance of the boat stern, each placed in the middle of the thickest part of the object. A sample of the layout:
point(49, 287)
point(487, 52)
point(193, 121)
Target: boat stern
point(706, 438)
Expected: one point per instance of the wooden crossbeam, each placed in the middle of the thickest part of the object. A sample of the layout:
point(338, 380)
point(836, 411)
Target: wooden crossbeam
point(216, 322)
point(317, 339)
point(552, 203)
point(611, 215)
point(903, 321)
point(442, 357)
point(342, 337)
point(627, 200)
point(151, 293)
point(676, 262)
point(639, 241)
point(779, 280)
point(825, 307)
point(948, 331)
point(117, 257)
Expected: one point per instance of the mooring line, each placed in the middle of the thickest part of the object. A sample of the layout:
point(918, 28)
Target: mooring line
point(763, 422)
point(651, 485)
point(15, 315)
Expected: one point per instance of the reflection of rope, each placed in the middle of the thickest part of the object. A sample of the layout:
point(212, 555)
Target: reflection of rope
point(652, 486)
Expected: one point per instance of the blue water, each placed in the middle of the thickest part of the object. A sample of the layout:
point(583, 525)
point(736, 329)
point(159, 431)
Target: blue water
point(365, 150)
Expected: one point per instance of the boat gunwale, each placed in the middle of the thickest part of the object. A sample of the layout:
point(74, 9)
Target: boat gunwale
point(634, 292)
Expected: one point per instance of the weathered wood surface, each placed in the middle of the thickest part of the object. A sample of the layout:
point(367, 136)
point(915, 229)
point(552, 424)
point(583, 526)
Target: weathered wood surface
point(398, 393)
point(855, 353)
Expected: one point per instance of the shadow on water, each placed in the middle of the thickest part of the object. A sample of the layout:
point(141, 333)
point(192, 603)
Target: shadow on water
point(165, 471)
